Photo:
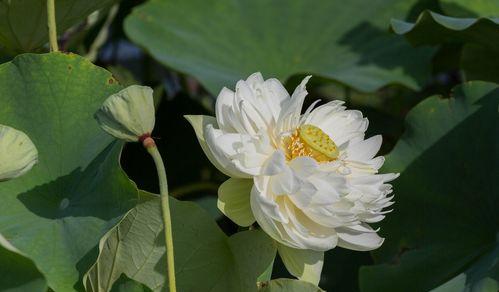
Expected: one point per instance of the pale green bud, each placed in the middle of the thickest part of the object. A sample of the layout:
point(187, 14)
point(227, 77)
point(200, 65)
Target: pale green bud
point(18, 154)
point(129, 114)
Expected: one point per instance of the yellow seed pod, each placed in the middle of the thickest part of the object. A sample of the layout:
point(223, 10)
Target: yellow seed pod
point(319, 141)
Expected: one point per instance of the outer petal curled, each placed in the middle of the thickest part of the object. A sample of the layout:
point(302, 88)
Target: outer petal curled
point(18, 154)
point(199, 124)
point(234, 201)
point(359, 237)
point(304, 264)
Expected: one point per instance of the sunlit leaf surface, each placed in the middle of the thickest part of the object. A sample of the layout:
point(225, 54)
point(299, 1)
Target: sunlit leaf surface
point(220, 43)
point(57, 213)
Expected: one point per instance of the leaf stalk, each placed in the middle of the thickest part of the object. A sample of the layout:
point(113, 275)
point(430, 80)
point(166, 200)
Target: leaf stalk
point(54, 46)
point(150, 145)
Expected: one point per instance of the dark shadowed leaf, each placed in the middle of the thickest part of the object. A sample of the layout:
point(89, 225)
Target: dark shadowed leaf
point(482, 276)
point(480, 54)
point(480, 63)
point(432, 29)
point(445, 217)
point(470, 8)
point(125, 284)
point(23, 23)
point(288, 285)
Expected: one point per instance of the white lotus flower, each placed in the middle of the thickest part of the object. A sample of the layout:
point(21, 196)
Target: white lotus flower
point(18, 154)
point(129, 114)
point(310, 180)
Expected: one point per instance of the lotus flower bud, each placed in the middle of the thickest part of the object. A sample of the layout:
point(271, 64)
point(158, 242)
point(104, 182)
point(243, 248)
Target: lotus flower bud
point(129, 114)
point(18, 154)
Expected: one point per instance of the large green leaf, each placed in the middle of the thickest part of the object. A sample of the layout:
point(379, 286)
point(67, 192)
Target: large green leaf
point(18, 272)
point(220, 43)
point(23, 23)
point(480, 54)
point(288, 285)
point(445, 216)
point(205, 258)
point(57, 213)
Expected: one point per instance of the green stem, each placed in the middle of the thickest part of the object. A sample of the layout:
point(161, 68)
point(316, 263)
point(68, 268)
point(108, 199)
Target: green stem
point(167, 221)
point(54, 47)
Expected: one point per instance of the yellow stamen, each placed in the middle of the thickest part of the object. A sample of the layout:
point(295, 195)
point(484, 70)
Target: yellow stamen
point(309, 140)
